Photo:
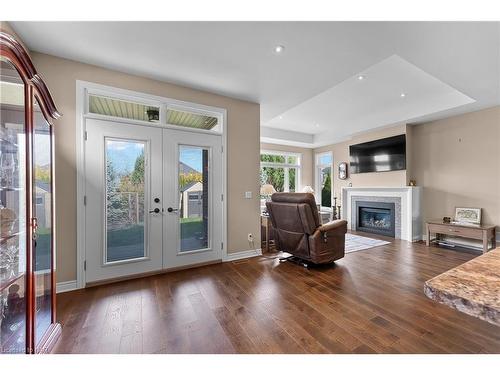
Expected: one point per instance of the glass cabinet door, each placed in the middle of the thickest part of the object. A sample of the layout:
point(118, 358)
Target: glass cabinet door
point(12, 211)
point(42, 211)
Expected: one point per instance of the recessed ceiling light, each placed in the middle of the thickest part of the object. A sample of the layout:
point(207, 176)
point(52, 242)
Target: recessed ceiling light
point(280, 117)
point(279, 49)
point(361, 77)
point(403, 95)
point(317, 125)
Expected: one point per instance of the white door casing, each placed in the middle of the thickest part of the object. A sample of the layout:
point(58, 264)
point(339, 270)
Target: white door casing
point(83, 117)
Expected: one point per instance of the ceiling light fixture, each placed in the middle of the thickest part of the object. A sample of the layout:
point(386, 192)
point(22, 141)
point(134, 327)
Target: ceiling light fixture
point(317, 125)
point(403, 95)
point(361, 77)
point(280, 117)
point(279, 49)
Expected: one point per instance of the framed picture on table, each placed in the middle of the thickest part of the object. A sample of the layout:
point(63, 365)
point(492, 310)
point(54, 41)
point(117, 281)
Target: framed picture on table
point(468, 215)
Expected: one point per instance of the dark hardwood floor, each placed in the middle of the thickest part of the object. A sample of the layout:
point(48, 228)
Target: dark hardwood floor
point(371, 301)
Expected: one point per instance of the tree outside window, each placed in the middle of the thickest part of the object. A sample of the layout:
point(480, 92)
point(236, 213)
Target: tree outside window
point(280, 171)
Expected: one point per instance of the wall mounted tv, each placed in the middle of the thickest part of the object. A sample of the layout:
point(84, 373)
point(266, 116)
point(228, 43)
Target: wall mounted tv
point(382, 155)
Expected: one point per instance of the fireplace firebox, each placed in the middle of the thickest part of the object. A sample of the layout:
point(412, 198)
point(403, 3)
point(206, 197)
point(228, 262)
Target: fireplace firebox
point(376, 217)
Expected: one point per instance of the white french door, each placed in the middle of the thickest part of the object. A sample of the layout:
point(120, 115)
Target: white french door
point(153, 199)
point(193, 198)
point(123, 172)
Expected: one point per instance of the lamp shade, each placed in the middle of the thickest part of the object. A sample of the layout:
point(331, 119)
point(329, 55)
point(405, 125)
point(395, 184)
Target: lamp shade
point(267, 189)
point(308, 189)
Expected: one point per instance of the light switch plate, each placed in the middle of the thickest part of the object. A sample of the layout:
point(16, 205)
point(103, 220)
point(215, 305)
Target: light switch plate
point(248, 194)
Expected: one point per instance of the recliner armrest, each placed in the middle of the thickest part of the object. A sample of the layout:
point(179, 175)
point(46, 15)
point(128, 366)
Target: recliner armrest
point(327, 244)
point(340, 225)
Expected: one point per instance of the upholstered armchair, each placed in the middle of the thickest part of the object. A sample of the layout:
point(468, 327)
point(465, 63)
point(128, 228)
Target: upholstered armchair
point(298, 230)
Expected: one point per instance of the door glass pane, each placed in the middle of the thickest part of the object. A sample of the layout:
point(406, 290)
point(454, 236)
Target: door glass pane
point(42, 204)
point(12, 211)
point(273, 176)
point(325, 159)
point(124, 109)
point(193, 198)
point(326, 186)
point(125, 186)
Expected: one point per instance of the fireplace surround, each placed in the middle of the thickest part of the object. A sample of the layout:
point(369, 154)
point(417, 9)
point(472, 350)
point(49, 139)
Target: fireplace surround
point(407, 201)
point(376, 217)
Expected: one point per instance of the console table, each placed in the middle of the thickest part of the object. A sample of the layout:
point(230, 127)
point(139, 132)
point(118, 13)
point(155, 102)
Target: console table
point(484, 232)
point(265, 221)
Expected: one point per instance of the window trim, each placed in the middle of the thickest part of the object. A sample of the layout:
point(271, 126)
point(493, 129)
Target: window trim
point(286, 167)
point(317, 167)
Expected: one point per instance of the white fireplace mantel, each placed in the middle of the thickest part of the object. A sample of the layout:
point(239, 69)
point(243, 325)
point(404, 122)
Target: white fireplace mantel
point(411, 212)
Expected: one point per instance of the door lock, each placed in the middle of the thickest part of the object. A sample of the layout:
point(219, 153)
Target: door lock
point(156, 211)
point(170, 209)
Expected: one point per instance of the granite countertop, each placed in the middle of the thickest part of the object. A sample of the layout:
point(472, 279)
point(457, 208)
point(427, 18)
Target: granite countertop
point(472, 288)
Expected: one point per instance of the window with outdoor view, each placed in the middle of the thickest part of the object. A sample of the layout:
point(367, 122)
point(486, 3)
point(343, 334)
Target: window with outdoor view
point(280, 170)
point(324, 163)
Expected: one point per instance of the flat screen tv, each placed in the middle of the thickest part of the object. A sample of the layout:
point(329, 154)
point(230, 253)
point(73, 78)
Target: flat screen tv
point(382, 155)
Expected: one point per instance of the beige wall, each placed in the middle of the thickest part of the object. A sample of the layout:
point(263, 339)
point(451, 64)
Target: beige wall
point(243, 131)
point(340, 153)
point(307, 164)
point(457, 161)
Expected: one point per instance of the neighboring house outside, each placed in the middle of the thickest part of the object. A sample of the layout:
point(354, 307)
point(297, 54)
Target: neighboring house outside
point(192, 200)
point(42, 203)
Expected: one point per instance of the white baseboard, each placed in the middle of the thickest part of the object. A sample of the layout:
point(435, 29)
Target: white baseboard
point(242, 255)
point(66, 286)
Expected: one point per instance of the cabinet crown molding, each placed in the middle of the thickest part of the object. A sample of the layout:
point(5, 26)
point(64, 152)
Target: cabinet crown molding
point(13, 50)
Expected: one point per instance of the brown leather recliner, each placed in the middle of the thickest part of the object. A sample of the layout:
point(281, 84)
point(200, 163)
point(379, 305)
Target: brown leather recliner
point(299, 232)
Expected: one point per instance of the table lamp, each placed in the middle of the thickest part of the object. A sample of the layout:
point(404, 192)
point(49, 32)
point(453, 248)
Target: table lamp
point(267, 190)
point(308, 189)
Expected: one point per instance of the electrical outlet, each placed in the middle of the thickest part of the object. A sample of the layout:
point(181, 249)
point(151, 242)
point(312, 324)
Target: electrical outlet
point(248, 194)
point(250, 237)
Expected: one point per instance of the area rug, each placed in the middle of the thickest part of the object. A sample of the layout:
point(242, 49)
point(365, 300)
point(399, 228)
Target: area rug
point(356, 243)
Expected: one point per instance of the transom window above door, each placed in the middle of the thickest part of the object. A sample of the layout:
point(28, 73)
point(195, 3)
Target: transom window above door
point(171, 113)
point(280, 170)
point(123, 109)
point(189, 119)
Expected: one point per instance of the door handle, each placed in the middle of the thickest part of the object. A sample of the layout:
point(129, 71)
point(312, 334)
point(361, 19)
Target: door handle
point(156, 211)
point(170, 209)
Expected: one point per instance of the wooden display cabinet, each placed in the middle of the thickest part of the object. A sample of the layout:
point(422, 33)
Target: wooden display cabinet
point(27, 254)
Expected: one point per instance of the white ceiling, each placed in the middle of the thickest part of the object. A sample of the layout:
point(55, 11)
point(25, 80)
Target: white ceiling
point(390, 92)
point(445, 68)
